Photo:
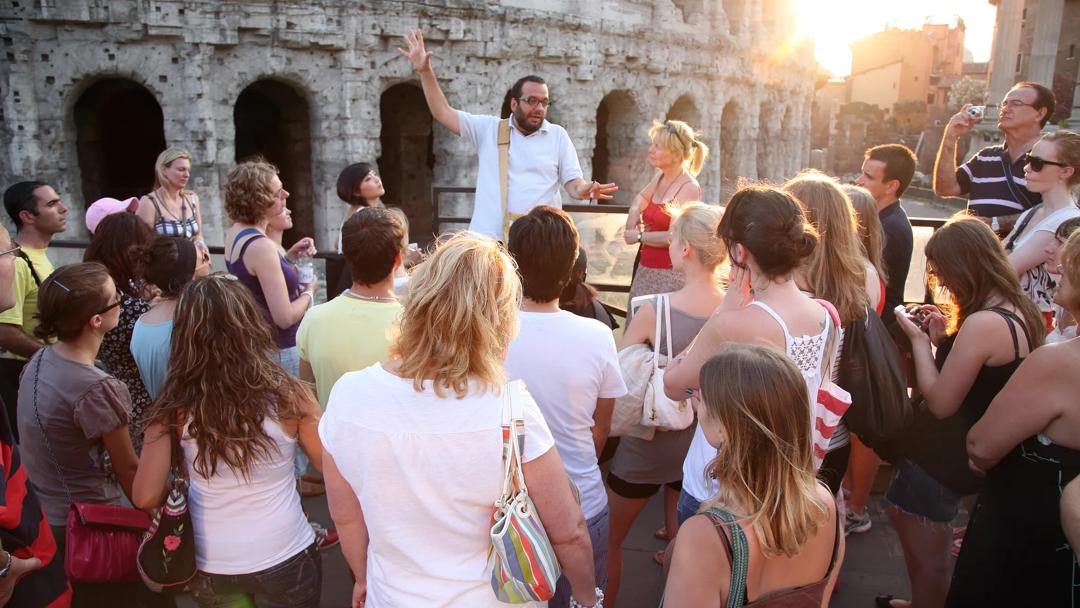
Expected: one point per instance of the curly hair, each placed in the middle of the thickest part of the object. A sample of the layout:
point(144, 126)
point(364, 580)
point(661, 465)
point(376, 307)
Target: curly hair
point(223, 377)
point(248, 193)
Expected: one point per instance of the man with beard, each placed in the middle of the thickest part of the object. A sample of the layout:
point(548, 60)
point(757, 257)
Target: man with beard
point(541, 156)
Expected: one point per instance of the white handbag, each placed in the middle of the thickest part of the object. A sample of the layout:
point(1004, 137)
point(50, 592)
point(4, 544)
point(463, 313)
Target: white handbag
point(658, 410)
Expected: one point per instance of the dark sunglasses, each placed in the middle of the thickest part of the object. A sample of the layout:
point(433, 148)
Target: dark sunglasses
point(1038, 164)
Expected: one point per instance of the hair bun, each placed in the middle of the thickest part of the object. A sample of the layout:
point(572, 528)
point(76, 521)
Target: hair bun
point(805, 244)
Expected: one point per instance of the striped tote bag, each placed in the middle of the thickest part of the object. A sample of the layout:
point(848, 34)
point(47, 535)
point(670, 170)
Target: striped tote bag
point(521, 559)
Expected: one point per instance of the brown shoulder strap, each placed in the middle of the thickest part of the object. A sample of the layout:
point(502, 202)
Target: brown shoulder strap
point(504, 168)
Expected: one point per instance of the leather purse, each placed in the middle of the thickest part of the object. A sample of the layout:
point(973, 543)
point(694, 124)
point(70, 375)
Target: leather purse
point(102, 540)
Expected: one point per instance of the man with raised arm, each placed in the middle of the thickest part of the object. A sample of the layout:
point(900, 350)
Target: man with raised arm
point(541, 156)
point(993, 179)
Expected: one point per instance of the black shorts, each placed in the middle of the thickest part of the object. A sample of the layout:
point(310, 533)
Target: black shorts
point(628, 489)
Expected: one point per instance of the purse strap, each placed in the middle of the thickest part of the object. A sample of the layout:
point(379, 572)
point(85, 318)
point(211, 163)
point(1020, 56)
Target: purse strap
point(44, 435)
point(1020, 229)
point(663, 315)
point(513, 445)
point(503, 142)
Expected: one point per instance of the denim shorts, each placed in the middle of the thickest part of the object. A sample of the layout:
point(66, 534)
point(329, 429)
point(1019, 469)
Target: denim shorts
point(294, 583)
point(687, 508)
point(598, 526)
point(915, 492)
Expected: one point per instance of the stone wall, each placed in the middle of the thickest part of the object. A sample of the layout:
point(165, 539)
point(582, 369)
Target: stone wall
point(315, 85)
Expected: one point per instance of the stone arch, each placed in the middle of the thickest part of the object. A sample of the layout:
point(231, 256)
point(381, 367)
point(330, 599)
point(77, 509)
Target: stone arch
point(621, 151)
point(119, 131)
point(272, 119)
point(730, 134)
point(407, 162)
point(686, 110)
point(736, 12)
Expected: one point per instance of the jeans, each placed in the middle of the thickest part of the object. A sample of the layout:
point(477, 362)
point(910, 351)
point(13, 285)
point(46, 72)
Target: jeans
point(598, 534)
point(294, 583)
point(688, 507)
point(915, 492)
point(289, 359)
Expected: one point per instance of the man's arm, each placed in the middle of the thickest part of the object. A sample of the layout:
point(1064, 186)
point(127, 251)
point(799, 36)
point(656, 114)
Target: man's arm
point(14, 340)
point(945, 182)
point(583, 190)
point(420, 59)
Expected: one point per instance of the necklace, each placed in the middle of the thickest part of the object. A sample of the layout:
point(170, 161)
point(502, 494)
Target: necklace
point(353, 294)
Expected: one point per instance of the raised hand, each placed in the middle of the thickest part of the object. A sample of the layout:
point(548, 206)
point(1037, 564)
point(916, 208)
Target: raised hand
point(597, 191)
point(417, 55)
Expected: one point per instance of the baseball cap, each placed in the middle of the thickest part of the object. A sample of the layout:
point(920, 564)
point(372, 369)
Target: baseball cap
point(104, 207)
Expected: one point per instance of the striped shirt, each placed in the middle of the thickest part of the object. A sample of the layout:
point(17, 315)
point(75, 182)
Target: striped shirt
point(995, 187)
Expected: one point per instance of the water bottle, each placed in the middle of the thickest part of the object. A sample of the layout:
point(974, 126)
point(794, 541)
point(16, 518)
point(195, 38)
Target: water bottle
point(305, 265)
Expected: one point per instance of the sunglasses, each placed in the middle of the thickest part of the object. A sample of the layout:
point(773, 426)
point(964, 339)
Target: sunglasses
point(115, 304)
point(1038, 164)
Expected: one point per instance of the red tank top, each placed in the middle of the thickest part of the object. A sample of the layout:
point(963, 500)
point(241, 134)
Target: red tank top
point(656, 219)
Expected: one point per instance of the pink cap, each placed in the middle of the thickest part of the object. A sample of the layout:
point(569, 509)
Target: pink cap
point(107, 206)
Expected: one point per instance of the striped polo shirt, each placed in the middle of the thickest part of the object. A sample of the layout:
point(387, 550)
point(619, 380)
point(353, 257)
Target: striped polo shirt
point(995, 187)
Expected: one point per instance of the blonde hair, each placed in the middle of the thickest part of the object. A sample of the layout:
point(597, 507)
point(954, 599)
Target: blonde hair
point(695, 224)
point(248, 191)
point(1067, 144)
point(681, 140)
point(166, 158)
point(871, 234)
point(835, 269)
point(765, 468)
point(459, 317)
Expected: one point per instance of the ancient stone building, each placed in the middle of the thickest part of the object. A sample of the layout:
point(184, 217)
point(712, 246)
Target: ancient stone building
point(93, 89)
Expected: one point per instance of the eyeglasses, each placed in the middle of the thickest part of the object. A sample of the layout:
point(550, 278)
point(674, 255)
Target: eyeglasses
point(532, 102)
point(116, 304)
point(15, 250)
point(1038, 164)
point(1014, 103)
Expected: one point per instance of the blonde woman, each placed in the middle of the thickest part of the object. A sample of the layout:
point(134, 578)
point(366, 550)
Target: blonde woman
point(641, 467)
point(871, 234)
point(678, 156)
point(170, 209)
point(779, 524)
point(412, 449)
point(836, 271)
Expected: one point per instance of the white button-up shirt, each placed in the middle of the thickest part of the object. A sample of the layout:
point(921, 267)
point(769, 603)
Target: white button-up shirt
point(539, 165)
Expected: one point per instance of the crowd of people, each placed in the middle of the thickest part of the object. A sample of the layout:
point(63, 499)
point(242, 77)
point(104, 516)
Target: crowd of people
point(430, 388)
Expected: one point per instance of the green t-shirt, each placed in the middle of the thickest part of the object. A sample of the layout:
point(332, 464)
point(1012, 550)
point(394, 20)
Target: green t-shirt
point(345, 335)
point(26, 294)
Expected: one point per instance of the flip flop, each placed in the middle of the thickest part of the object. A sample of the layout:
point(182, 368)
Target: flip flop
point(658, 557)
point(310, 489)
point(662, 534)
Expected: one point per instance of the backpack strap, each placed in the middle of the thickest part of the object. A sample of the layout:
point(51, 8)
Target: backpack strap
point(504, 171)
point(733, 539)
point(30, 265)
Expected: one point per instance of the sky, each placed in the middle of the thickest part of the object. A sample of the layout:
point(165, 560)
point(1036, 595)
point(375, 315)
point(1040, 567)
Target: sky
point(836, 23)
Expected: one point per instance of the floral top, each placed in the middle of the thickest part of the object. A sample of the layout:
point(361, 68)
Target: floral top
point(115, 353)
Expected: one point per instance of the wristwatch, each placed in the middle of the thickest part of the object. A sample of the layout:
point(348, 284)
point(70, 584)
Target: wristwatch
point(994, 225)
point(639, 236)
point(7, 566)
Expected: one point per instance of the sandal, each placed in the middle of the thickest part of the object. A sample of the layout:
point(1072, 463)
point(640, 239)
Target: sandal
point(662, 534)
point(309, 489)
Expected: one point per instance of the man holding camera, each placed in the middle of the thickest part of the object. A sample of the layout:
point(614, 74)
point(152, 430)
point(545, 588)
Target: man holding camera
point(994, 178)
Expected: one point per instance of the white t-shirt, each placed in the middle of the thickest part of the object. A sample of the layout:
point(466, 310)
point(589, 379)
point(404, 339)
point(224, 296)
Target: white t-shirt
point(568, 362)
point(539, 164)
point(1038, 282)
point(427, 471)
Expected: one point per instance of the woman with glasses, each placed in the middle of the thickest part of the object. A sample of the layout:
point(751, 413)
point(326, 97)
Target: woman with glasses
point(73, 417)
point(678, 156)
point(119, 242)
point(1052, 170)
point(241, 419)
point(253, 195)
point(1028, 442)
point(981, 332)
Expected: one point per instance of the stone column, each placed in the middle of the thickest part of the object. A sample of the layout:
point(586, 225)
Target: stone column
point(1005, 47)
point(1044, 45)
point(1074, 118)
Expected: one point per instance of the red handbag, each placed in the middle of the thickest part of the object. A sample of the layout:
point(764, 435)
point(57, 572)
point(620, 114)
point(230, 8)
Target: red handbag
point(101, 540)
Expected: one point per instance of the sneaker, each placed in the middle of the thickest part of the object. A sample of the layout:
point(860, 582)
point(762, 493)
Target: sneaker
point(857, 524)
point(324, 537)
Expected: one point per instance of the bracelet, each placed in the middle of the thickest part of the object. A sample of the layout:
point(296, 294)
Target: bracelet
point(7, 567)
point(310, 296)
point(599, 600)
point(639, 235)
